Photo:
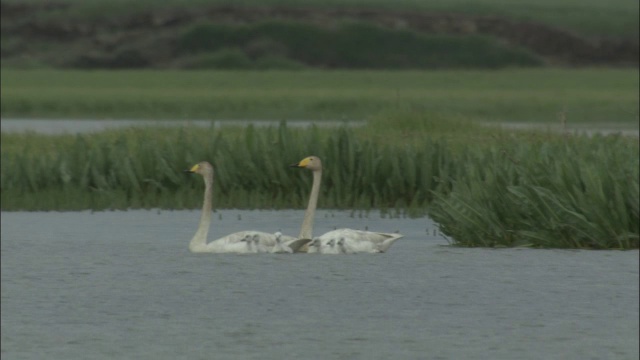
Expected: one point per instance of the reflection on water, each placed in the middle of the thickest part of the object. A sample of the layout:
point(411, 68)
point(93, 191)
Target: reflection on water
point(123, 285)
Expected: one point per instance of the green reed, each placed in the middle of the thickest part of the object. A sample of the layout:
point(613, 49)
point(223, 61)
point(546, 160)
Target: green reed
point(485, 187)
point(574, 192)
point(143, 168)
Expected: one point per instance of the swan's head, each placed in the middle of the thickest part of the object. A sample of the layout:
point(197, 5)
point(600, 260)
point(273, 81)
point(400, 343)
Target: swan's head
point(201, 168)
point(278, 236)
point(310, 162)
point(247, 238)
point(341, 241)
point(331, 242)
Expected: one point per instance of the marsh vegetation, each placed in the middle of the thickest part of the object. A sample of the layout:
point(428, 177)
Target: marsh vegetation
point(484, 186)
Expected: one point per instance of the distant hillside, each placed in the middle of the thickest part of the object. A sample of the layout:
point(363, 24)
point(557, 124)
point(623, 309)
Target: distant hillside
point(36, 34)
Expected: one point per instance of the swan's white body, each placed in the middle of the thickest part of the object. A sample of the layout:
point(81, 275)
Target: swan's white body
point(355, 241)
point(242, 242)
point(349, 246)
point(358, 241)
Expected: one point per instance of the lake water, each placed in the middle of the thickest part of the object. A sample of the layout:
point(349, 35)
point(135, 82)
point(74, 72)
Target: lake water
point(122, 285)
point(68, 126)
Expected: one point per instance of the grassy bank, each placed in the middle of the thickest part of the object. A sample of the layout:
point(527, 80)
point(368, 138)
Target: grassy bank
point(485, 187)
point(587, 96)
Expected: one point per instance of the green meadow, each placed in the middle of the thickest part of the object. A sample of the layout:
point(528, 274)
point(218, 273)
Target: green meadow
point(514, 95)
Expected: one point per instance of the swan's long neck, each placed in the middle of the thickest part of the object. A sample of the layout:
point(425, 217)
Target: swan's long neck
point(307, 224)
point(199, 241)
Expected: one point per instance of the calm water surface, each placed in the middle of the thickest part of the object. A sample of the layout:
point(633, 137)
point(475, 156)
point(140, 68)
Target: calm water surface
point(69, 126)
point(122, 285)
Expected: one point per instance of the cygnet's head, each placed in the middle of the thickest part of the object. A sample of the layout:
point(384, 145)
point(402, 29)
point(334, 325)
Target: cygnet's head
point(256, 238)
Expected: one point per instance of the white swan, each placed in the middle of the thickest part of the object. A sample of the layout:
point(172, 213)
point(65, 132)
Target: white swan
point(239, 242)
point(359, 241)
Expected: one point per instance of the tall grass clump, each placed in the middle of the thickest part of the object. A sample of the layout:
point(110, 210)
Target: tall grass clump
point(575, 192)
point(141, 168)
